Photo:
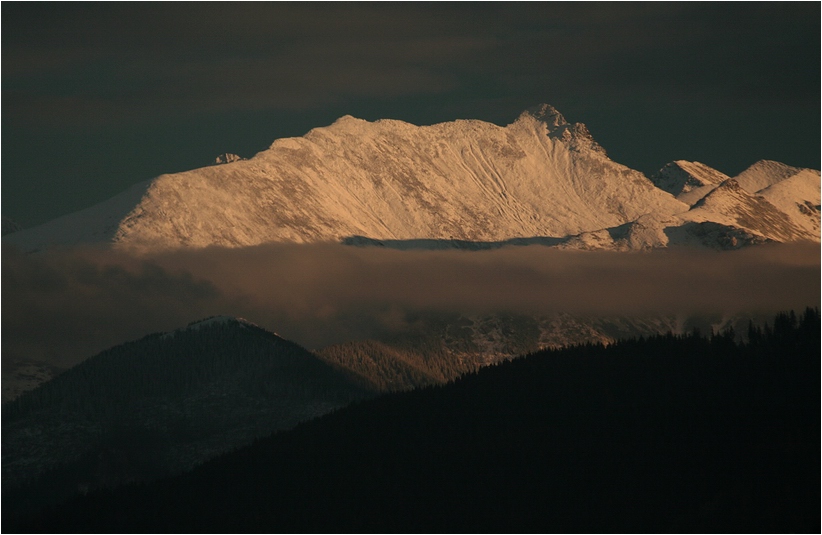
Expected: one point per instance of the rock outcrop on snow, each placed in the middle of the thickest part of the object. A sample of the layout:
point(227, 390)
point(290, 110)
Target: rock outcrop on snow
point(227, 157)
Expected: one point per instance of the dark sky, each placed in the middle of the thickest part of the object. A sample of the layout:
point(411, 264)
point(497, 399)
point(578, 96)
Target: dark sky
point(99, 96)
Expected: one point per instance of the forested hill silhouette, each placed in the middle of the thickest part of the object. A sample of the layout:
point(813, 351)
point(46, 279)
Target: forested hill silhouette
point(693, 433)
point(159, 406)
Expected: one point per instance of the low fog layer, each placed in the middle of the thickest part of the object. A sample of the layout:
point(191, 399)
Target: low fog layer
point(61, 307)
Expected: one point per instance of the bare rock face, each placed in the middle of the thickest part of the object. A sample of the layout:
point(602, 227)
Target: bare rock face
point(575, 135)
point(227, 157)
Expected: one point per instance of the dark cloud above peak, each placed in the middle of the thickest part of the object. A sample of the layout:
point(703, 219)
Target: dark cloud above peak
point(188, 58)
point(183, 59)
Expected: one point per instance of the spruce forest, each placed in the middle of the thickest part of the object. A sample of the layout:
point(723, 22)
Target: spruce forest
point(692, 433)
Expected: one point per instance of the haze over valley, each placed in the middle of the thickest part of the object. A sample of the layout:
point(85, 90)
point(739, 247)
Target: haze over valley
point(331, 238)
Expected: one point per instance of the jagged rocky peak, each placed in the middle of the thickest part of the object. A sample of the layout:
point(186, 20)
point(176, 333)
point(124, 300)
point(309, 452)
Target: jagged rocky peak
point(581, 138)
point(548, 115)
point(227, 157)
point(576, 135)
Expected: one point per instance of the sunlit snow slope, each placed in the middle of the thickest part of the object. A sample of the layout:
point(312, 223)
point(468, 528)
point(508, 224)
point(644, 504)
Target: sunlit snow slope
point(463, 180)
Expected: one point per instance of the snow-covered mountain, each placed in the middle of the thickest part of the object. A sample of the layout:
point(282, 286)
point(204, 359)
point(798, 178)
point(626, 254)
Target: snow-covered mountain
point(467, 180)
point(687, 181)
point(769, 199)
point(765, 173)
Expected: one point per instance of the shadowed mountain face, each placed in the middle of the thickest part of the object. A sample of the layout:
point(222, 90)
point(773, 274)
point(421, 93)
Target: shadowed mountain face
point(161, 405)
point(665, 434)
point(167, 402)
point(681, 177)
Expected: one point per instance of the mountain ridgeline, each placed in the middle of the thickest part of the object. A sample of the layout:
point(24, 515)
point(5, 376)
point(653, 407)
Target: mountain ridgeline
point(164, 403)
point(540, 179)
point(161, 405)
point(670, 433)
point(223, 426)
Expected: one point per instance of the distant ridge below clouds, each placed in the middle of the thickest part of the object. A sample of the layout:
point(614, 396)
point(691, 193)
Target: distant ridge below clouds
point(9, 226)
point(540, 179)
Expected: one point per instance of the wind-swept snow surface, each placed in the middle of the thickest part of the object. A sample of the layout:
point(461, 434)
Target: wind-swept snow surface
point(465, 180)
point(798, 197)
point(97, 224)
point(765, 173)
point(461, 181)
point(469, 180)
point(771, 200)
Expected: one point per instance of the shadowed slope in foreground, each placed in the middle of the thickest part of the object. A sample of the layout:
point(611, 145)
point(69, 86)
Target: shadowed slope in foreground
point(159, 406)
point(669, 433)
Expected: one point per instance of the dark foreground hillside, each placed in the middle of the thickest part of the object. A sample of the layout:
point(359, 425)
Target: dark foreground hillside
point(682, 434)
point(159, 406)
